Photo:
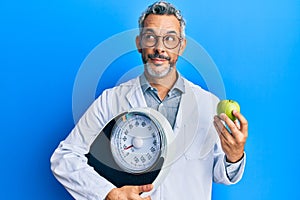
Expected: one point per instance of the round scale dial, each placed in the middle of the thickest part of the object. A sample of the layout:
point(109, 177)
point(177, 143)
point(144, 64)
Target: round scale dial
point(136, 142)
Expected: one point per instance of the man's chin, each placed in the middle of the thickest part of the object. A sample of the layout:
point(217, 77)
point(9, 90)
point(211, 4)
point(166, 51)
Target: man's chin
point(158, 71)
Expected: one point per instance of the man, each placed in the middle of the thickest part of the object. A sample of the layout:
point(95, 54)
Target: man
point(205, 149)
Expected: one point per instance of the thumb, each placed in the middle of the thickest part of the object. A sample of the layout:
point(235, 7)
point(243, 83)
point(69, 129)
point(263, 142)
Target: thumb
point(145, 188)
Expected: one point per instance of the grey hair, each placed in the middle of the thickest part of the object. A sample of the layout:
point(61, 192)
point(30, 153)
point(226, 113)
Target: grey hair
point(163, 8)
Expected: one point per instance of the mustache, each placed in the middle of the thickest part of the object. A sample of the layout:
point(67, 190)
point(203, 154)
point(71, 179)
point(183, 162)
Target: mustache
point(156, 55)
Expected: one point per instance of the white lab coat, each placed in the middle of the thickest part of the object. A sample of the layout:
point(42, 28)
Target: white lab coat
point(198, 159)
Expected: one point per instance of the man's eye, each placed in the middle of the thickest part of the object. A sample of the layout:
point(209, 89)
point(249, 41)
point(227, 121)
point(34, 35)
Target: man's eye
point(170, 38)
point(149, 37)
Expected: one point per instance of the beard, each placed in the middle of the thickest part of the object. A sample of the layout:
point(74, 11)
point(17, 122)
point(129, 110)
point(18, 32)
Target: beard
point(158, 71)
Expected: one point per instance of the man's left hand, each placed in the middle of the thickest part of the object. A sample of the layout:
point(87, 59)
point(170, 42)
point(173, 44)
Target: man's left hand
point(233, 141)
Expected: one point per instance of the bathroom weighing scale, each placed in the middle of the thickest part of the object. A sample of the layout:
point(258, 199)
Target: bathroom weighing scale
point(133, 148)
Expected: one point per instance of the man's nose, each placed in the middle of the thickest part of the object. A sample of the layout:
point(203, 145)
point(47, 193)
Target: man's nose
point(160, 47)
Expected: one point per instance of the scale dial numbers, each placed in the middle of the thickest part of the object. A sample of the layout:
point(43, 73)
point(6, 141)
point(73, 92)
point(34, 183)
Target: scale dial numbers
point(135, 143)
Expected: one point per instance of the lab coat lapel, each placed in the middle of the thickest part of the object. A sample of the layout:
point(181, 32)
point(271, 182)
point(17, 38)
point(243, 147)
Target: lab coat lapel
point(188, 110)
point(135, 95)
point(185, 128)
point(194, 125)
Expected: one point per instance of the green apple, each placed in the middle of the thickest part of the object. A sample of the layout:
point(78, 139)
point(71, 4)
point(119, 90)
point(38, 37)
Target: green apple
point(227, 106)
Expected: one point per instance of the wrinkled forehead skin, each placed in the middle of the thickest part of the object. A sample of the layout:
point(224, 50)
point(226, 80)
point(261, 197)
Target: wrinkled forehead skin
point(161, 25)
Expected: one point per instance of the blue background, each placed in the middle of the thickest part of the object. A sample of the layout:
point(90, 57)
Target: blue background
point(255, 45)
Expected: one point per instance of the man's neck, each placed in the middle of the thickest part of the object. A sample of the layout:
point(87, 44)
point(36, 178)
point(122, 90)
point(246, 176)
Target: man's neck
point(163, 85)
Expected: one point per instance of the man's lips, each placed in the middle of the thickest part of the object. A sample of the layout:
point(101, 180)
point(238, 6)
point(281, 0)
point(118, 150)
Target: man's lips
point(158, 61)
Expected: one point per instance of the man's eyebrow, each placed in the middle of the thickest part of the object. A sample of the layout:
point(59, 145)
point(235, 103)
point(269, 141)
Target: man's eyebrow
point(148, 30)
point(152, 31)
point(171, 32)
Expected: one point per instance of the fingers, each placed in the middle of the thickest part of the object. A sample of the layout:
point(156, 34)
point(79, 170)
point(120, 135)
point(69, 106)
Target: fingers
point(129, 192)
point(221, 127)
point(238, 128)
point(237, 123)
point(224, 137)
point(144, 188)
point(243, 122)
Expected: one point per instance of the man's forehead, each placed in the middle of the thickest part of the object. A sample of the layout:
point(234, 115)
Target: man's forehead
point(161, 23)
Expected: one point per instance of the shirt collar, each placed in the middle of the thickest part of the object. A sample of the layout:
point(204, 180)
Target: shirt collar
point(179, 84)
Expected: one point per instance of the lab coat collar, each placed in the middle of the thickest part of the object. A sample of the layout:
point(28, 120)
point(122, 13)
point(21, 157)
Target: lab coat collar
point(179, 84)
point(135, 95)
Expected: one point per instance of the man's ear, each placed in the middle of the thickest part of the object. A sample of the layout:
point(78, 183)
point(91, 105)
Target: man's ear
point(182, 46)
point(138, 44)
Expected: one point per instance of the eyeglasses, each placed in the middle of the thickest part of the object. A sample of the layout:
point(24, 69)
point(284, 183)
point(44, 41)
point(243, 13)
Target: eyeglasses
point(169, 41)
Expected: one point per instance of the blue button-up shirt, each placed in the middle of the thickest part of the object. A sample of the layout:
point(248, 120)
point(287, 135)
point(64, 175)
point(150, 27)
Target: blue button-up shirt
point(170, 104)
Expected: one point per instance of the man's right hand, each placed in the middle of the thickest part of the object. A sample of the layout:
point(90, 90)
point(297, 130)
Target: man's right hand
point(129, 193)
